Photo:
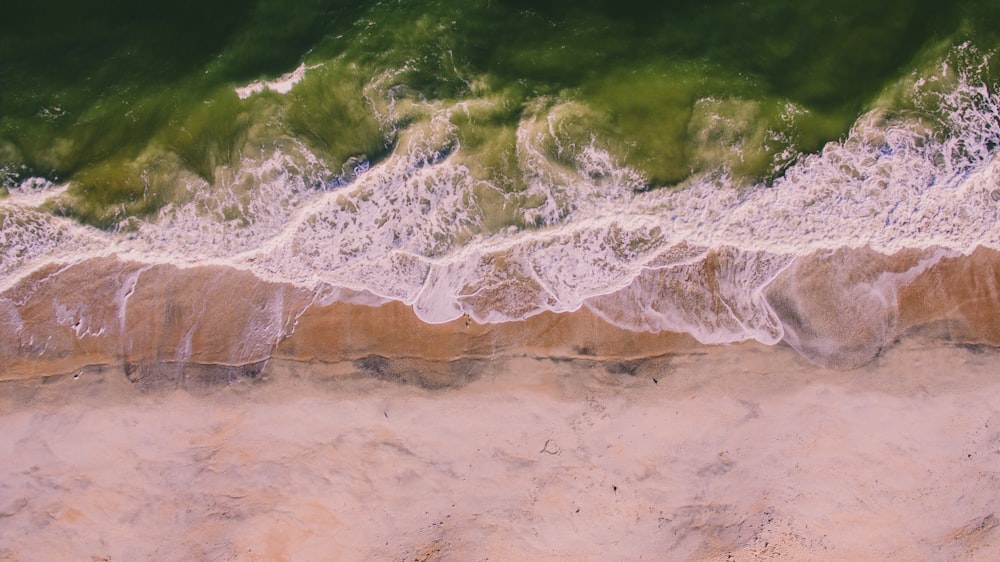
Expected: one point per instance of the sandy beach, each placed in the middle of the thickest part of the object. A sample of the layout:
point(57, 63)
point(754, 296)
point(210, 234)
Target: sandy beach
point(451, 280)
point(737, 452)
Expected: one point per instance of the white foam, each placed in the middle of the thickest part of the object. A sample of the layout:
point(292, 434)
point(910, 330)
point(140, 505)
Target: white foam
point(30, 239)
point(33, 192)
point(281, 85)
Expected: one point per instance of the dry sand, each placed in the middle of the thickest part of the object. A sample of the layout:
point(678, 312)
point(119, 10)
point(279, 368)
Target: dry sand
point(740, 452)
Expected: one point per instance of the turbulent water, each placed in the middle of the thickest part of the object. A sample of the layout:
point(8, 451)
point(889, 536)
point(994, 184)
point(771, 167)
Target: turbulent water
point(498, 159)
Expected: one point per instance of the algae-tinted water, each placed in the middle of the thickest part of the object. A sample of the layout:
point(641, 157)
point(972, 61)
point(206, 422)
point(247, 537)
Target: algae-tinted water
point(107, 94)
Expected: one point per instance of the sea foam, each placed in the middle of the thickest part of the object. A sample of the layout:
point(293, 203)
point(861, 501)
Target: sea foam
point(281, 85)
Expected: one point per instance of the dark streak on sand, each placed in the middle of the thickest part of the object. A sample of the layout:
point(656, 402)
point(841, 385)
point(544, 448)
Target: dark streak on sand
point(193, 377)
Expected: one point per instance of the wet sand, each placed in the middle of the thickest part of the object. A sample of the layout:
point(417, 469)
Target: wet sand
point(839, 309)
point(741, 452)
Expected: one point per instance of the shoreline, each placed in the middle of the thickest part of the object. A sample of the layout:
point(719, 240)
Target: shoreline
point(839, 309)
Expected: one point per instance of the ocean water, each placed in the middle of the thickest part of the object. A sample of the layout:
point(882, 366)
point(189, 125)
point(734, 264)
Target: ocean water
point(501, 158)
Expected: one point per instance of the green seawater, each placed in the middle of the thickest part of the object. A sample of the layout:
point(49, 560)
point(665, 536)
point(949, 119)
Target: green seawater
point(124, 100)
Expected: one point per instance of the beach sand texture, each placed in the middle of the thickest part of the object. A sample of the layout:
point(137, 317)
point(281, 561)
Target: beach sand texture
point(736, 453)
